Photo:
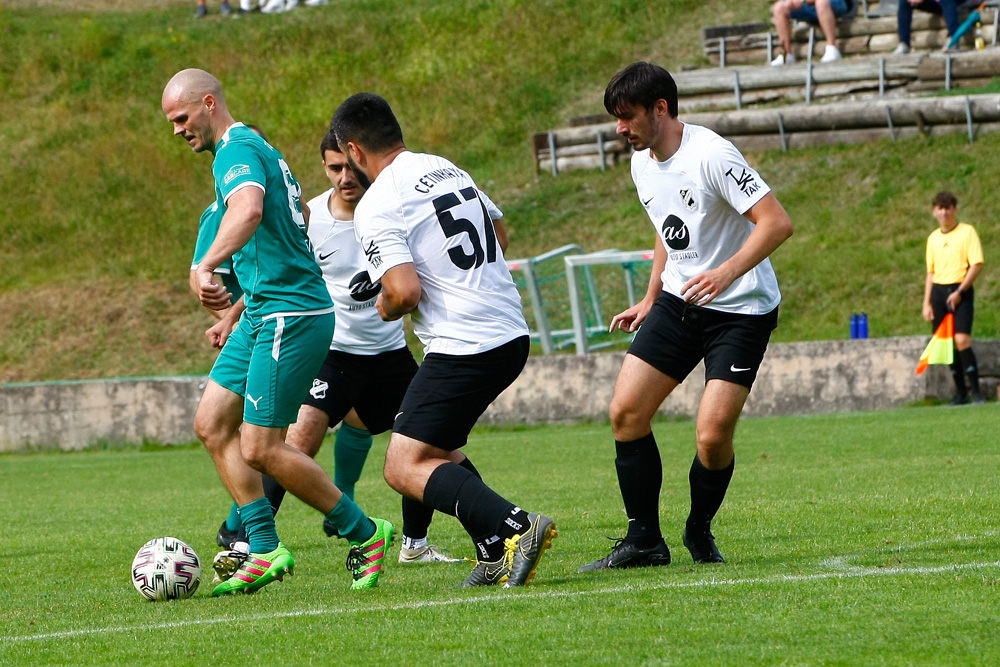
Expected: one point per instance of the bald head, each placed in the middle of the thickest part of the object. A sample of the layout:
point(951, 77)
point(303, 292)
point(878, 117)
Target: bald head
point(193, 102)
point(191, 85)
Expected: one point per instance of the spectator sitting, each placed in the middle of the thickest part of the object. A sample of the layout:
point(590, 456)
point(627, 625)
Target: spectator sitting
point(947, 8)
point(817, 12)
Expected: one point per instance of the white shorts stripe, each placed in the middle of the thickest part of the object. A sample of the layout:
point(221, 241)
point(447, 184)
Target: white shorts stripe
point(279, 327)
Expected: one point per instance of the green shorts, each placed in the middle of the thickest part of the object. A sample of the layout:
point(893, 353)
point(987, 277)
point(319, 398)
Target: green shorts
point(272, 364)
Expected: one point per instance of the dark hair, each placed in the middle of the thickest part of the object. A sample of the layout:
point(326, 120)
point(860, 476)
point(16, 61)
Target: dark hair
point(329, 143)
point(945, 200)
point(256, 130)
point(640, 84)
point(367, 120)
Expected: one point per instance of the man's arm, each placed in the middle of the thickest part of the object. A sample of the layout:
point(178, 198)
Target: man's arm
point(630, 319)
point(244, 210)
point(400, 292)
point(501, 231)
point(772, 227)
point(928, 286)
point(218, 334)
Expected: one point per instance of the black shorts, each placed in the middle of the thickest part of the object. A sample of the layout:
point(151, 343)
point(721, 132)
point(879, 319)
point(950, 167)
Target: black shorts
point(677, 335)
point(963, 314)
point(373, 385)
point(451, 392)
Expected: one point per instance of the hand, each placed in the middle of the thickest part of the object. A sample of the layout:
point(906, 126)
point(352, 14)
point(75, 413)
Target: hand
point(382, 312)
point(953, 300)
point(211, 294)
point(705, 287)
point(218, 333)
point(630, 320)
point(928, 312)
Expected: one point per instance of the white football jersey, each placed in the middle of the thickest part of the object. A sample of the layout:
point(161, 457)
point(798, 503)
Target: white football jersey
point(359, 329)
point(696, 201)
point(424, 210)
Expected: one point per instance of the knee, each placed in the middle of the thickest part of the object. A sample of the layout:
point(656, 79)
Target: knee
point(626, 422)
point(212, 432)
point(255, 453)
point(779, 12)
point(713, 442)
point(395, 468)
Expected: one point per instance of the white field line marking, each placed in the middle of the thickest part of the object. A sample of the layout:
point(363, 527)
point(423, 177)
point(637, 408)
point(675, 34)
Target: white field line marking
point(541, 595)
point(842, 562)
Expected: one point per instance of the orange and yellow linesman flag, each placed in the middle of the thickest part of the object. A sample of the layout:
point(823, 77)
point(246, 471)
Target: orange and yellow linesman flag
point(941, 349)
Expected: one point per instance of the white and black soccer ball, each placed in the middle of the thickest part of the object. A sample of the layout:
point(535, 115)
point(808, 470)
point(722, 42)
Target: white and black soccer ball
point(166, 569)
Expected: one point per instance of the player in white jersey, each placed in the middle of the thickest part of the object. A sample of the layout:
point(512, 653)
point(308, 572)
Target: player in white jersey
point(429, 236)
point(367, 369)
point(712, 295)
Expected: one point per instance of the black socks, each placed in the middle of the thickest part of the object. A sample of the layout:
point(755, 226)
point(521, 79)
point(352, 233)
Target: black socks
point(640, 476)
point(708, 490)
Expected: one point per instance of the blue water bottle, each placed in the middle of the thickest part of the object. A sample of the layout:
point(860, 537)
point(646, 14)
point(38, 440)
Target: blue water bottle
point(863, 325)
point(854, 326)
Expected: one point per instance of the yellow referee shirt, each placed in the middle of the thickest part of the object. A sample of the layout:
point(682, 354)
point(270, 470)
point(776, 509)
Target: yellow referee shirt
point(950, 255)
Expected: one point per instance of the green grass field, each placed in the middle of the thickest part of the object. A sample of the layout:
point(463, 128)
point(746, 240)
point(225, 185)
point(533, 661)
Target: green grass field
point(863, 539)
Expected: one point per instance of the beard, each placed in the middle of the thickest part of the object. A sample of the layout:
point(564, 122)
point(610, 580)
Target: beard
point(362, 177)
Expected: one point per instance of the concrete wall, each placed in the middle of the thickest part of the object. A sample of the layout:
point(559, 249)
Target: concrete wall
point(795, 378)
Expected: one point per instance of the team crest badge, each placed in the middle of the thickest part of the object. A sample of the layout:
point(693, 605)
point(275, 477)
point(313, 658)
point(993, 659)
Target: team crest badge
point(318, 390)
point(688, 199)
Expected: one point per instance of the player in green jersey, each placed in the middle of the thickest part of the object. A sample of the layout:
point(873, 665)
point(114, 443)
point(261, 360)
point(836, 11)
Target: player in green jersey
point(269, 361)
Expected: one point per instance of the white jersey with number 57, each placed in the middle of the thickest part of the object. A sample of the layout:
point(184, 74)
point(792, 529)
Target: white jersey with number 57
point(424, 210)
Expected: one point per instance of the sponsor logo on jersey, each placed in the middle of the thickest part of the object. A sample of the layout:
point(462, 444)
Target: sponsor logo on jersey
point(675, 233)
point(688, 198)
point(318, 390)
point(372, 253)
point(328, 255)
point(745, 181)
point(235, 172)
point(362, 288)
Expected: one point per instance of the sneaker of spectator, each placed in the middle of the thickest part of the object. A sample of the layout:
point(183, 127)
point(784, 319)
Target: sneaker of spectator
point(901, 49)
point(273, 7)
point(783, 59)
point(831, 54)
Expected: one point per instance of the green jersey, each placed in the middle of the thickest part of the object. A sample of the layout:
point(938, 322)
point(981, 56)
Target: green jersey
point(276, 267)
point(208, 227)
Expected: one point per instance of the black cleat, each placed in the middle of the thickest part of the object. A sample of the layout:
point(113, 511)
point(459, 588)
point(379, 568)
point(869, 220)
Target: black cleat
point(625, 555)
point(227, 538)
point(702, 547)
point(960, 400)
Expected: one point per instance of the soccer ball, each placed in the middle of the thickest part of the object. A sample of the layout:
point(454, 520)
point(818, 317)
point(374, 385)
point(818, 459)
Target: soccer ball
point(166, 569)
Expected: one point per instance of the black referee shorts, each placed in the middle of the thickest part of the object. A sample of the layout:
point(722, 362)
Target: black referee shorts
point(963, 314)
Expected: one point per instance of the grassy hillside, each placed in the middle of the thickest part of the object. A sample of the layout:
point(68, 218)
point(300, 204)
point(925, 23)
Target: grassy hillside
point(100, 203)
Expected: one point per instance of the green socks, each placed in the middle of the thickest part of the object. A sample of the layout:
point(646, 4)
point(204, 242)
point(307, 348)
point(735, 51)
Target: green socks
point(351, 522)
point(258, 519)
point(233, 522)
point(350, 450)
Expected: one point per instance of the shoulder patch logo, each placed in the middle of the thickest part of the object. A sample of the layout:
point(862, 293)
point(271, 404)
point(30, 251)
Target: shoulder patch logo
point(235, 172)
point(688, 198)
point(745, 181)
